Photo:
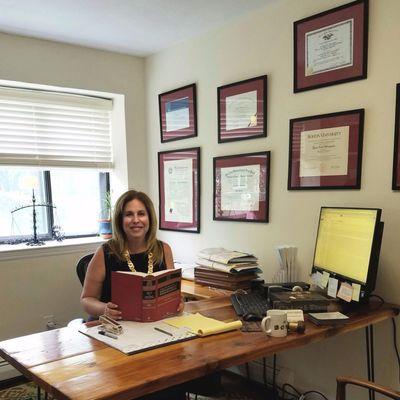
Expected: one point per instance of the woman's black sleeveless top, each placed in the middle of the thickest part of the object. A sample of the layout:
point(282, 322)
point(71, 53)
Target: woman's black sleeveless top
point(112, 263)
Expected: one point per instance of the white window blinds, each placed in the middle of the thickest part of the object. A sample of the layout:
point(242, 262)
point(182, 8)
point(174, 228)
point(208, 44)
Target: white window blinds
point(54, 129)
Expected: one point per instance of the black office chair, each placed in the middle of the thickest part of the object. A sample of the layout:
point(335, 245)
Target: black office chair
point(82, 265)
point(343, 381)
point(81, 268)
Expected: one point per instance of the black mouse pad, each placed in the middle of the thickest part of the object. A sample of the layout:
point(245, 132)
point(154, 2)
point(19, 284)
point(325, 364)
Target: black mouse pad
point(251, 326)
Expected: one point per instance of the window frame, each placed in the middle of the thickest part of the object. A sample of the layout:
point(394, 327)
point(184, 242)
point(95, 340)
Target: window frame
point(104, 186)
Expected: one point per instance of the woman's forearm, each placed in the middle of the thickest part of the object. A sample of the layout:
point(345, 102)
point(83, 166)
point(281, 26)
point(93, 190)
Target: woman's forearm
point(93, 306)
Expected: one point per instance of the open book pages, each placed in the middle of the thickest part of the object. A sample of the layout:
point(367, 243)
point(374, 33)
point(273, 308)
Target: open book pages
point(230, 268)
point(221, 255)
point(201, 325)
point(144, 274)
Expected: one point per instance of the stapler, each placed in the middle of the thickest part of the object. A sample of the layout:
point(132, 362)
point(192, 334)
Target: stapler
point(110, 325)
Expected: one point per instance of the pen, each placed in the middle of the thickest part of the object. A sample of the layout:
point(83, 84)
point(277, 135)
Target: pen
point(108, 334)
point(160, 330)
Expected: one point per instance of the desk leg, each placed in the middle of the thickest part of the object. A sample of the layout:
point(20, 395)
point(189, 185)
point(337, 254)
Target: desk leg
point(274, 393)
point(39, 395)
point(369, 336)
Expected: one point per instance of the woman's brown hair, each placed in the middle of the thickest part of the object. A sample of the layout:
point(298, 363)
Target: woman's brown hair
point(118, 244)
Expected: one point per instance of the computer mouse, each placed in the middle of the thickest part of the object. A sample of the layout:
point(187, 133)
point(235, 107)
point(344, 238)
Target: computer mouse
point(251, 317)
point(297, 289)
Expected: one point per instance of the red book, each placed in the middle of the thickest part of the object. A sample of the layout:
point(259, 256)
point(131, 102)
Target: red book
point(146, 298)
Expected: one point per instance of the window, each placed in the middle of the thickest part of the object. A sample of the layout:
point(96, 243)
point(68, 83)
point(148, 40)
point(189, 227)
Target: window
point(16, 192)
point(75, 194)
point(56, 146)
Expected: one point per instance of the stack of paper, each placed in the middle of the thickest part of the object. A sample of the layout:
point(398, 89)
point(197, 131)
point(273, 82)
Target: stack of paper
point(227, 260)
point(226, 269)
point(224, 280)
point(287, 261)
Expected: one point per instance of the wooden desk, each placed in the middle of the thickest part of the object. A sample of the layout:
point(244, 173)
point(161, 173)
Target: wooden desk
point(70, 365)
point(194, 291)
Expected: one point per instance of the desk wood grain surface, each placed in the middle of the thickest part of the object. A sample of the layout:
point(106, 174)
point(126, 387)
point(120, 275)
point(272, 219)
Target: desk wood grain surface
point(194, 291)
point(69, 365)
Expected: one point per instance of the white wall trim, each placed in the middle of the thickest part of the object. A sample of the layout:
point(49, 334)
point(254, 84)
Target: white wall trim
point(51, 248)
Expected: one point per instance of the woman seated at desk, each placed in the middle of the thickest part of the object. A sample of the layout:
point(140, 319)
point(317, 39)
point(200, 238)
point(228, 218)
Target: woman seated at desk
point(134, 247)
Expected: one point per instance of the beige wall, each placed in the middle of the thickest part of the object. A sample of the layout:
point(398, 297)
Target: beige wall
point(36, 287)
point(31, 288)
point(262, 43)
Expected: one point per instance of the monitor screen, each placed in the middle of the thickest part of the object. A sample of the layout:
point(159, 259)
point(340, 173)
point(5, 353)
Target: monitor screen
point(345, 242)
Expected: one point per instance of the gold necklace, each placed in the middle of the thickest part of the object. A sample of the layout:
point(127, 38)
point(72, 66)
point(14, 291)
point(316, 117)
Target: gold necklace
point(132, 266)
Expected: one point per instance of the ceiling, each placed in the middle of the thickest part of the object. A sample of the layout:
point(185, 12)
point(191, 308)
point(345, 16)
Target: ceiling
point(136, 27)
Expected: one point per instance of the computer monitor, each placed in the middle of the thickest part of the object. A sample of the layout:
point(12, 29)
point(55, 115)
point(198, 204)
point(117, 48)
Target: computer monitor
point(348, 245)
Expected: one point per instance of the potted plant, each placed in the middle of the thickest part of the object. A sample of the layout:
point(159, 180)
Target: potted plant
point(105, 225)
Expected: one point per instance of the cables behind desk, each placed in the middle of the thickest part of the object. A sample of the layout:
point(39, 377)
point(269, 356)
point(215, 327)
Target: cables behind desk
point(382, 300)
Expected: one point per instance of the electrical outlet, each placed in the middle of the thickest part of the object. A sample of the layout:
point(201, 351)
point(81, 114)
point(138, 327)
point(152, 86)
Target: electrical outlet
point(50, 322)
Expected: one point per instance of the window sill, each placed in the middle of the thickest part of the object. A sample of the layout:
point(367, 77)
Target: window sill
point(18, 251)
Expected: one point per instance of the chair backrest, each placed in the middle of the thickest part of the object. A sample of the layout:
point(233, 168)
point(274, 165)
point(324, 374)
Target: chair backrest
point(82, 265)
point(343, 381)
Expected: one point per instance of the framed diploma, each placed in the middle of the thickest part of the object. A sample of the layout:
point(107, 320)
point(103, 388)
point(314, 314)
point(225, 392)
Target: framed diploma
point(179, 190)
point(242, 110)
point(331, 47)
point(178, 119)
point(241, 187)
point(396, 155)
point(325, 151)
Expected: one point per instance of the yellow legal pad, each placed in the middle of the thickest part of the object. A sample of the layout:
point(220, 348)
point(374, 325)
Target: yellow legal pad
point(201, 325)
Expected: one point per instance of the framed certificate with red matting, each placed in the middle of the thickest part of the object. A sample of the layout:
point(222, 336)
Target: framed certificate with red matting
point(242, 110)
point(331, 47)
point(178, 118)
point(241, 187)
point(325, 151)
point(179, 190)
